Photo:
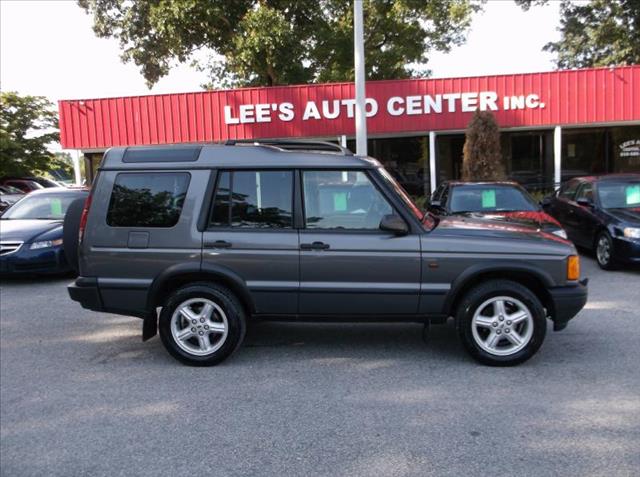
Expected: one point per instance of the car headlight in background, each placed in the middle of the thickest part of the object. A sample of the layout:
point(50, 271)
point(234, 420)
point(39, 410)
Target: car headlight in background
point(46, 244)
point(632, 232)
point(560, 233)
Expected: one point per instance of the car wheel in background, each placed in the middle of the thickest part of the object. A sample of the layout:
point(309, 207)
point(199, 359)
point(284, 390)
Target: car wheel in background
point(604, 251)
point(70, 230)
point(501, 323)
point(202, 324)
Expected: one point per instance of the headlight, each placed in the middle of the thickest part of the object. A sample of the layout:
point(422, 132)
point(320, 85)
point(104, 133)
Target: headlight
point(632, 232)
point(46, 244)
point(560, 233)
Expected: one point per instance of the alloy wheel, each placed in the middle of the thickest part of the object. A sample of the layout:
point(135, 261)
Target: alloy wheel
point(502, 326)
point(603, 250)
point(199, 326)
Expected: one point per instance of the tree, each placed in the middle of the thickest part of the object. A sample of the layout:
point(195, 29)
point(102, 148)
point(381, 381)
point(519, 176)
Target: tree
point(28, 124)
point(482, 156)
point(596, 33)
point(271, 42)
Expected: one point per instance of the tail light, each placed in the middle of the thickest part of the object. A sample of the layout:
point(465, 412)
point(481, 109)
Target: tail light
point(83, 217)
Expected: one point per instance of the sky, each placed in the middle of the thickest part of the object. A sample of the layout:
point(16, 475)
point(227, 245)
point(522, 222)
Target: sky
point(48, 48)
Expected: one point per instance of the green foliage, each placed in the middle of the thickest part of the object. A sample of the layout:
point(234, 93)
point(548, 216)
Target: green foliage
point(28, 124)
point(271, 42)
point(482, 156)
point(596, 33)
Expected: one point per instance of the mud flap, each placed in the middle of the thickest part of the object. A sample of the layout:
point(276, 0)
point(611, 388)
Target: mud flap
point(149, 327)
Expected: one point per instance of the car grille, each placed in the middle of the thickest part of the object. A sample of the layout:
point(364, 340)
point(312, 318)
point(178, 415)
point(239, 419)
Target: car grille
point(9, 247)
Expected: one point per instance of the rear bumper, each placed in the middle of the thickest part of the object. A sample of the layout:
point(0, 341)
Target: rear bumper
point(85, 291)
point(567, 303)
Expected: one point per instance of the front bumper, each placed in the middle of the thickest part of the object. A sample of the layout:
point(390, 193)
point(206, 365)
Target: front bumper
point(626, 250)
point(40, 261)
point(567, 303)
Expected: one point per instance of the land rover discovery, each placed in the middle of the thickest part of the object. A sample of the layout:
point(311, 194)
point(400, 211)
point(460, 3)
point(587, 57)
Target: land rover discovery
point(198, 239)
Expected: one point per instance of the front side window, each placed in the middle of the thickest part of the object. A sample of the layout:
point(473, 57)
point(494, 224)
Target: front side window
point(586, 192)
point(253, 199)
point(147, 199)
point(342, 200)
point(568, 191)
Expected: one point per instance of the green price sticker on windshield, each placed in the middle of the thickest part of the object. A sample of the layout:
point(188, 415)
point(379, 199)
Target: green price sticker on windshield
point(340, 201)
point(488, 199)
point(633, 194)
point(56, 207)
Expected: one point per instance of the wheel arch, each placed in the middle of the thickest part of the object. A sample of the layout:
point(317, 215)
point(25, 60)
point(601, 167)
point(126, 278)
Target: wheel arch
point(536, 280)
point(180, 275)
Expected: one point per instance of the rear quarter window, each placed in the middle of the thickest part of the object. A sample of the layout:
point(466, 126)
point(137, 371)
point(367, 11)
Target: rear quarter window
point(147, 199)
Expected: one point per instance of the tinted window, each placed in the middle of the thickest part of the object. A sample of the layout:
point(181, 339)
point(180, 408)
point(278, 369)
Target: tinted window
point(147, 199)
point(494, 198)
point(342, 200)
point(253, 199)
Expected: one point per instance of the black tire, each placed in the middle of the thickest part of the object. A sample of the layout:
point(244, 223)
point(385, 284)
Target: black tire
point(222, 297)
point(476, 297)
point(70, 230)
point(605, 260)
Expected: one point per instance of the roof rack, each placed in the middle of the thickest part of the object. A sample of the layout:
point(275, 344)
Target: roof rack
point(293, 145)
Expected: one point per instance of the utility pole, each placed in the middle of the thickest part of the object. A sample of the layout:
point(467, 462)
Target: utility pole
point(358, 54)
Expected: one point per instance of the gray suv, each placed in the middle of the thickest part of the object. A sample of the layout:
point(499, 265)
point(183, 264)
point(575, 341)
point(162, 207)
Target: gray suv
point(198, 239)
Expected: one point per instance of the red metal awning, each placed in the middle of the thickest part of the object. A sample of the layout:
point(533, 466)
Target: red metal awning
point(571, 97)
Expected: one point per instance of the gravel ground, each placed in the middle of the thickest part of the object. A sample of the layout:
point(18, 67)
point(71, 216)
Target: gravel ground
point(81, 394)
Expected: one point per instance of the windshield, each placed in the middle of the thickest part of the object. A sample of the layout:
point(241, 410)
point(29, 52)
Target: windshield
point(490, 198)
point(41, 206)
point(619, 195)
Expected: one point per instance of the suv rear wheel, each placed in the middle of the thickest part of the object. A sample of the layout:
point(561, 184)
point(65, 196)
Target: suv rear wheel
point(202, 324)
point(501, 323)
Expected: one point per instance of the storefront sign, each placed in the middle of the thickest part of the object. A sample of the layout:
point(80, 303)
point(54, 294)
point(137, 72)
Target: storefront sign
point(394, 106)
point(410, 106)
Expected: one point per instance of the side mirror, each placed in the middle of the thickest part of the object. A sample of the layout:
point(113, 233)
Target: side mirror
point(436, 203)
point(546, 201)
point(394, 223)
point(584, 202)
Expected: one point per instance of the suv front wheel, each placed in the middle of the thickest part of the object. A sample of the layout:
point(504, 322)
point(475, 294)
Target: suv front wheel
point(202, 324)
point(501, 323)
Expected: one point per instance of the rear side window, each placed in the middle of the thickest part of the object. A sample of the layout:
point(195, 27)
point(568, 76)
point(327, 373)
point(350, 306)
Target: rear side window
point(147, 199)
point(253, 199)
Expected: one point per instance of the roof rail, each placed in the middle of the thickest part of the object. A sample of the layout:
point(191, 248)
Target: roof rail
point(293, 145)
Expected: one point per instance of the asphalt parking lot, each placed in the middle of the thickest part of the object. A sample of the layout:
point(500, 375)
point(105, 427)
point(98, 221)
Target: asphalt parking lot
point(82, 395)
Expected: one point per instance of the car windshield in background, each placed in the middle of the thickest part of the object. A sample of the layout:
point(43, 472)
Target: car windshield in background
point(619, 195)
point(490, 198)
point(41, 206)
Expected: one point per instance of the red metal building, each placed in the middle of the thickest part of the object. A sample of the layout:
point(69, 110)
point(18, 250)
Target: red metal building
point(555, 124)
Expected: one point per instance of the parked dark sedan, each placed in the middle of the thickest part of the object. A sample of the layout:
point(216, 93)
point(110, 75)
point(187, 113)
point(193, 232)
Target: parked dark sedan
point(502, 201)
point(31, 232)
point(601, 213)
